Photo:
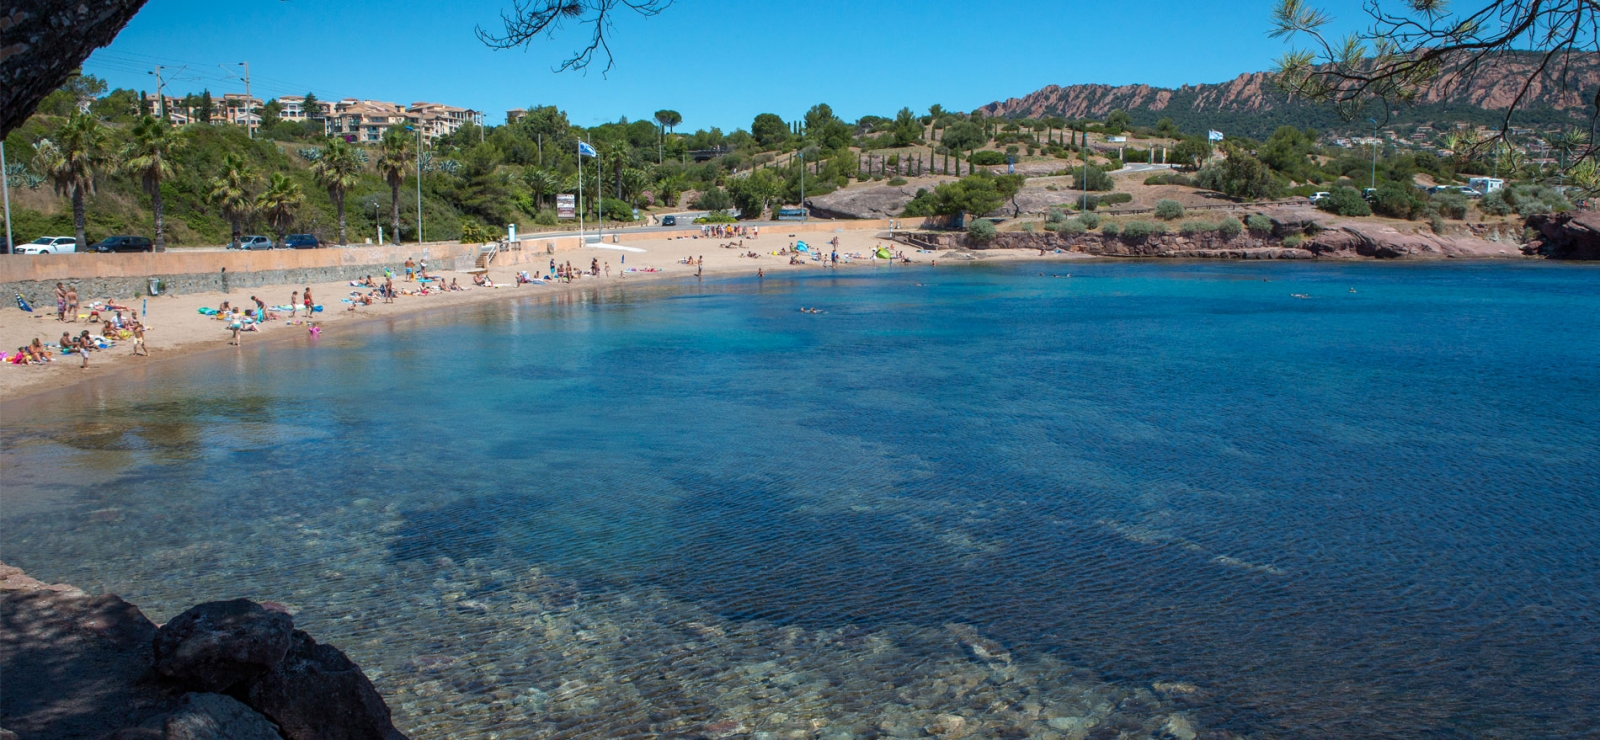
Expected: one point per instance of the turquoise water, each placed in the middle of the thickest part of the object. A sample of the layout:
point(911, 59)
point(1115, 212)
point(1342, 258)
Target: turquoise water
point(1141, 499)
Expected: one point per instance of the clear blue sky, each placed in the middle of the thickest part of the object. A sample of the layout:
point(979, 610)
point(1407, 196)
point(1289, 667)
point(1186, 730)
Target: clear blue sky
point(718, 62)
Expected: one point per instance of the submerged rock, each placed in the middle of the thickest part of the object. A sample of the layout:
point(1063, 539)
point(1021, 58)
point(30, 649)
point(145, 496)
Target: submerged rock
point(217, 644)
point(217, 717)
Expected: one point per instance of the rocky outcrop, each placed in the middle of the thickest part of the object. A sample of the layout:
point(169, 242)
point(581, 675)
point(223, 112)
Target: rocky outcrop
point(1566, 236)
point(878, 201)
point(1381, 241)
point(79, 665)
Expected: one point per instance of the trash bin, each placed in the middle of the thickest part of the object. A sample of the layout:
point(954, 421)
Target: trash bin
point(155, 286)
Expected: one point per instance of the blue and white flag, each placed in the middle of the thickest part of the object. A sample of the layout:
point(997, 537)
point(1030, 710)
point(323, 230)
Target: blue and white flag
point(1214, 135)
point(584, 150)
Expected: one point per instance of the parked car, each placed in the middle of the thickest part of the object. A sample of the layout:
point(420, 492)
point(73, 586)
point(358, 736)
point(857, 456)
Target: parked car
point(1470, 193)
point(255, 242)
point(669, 220)
point(124, 244)
point(1320, 196)
point(301, 241)
point(50, 245)
point(1371, 194)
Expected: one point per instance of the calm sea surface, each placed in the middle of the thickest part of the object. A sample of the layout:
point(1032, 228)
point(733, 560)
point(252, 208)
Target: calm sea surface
point(1145, 499)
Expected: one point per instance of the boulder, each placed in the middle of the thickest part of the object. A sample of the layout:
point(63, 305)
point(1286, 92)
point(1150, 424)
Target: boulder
point(216, 717)
point(217, 644)
point(316, 693)
point(1572, 235)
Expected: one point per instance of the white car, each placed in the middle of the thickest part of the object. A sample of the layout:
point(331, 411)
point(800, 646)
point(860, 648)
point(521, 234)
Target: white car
point(1319, 197)
point(50, 245)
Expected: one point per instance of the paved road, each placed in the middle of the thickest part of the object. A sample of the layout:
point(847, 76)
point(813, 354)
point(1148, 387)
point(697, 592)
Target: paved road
point(1142, 167)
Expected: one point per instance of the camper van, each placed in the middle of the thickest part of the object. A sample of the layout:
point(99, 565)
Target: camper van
point(1486, 185)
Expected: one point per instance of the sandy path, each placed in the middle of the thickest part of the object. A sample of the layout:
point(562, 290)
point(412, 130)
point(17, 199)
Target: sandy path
point(177, 328)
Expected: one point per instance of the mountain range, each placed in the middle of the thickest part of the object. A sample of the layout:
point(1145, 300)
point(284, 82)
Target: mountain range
point(1254, 105)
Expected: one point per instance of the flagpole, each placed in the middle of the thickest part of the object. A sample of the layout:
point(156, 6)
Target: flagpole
point(580, 194)
point(599, 199)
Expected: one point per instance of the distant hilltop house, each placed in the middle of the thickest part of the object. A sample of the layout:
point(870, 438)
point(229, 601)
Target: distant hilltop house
point(356, 120)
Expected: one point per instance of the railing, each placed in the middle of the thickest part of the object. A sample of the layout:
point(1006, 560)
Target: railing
point(1207, 207)
point(486, 254)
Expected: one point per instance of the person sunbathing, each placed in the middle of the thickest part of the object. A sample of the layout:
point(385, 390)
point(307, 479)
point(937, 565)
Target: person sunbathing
point(37, 348)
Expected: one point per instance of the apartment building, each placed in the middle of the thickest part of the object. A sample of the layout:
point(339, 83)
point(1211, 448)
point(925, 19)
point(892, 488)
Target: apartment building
point(515, 114)
point(294, 109)
point(364, 121)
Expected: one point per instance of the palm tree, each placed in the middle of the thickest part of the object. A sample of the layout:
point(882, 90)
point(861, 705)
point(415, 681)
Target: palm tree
point(279, 202)
point(71, 161)
point(149, 155)
point(337, 170)
point(542, 182)
point(394, 159)
point(230, 191)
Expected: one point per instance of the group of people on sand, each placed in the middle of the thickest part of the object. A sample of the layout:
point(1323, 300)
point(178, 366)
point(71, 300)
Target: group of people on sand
point(567, 273)
point(725, 230)
point(38, 353)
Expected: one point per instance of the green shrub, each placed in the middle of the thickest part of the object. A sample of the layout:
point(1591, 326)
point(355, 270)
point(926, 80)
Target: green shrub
point(1055, 216)
point(1230, 228)
point(1259, 224)
point(1398, 201)
point(1346, 202)
point(1098, 180)
point(1193, 228)
point(1171, 178)
point(1089, 220)
point(1110, 228)
point(1073, 226)
point(987, 157)
point(716, 218)
point(1437, 224)
point(1028, 228)
point(715, 199)
point(897, 182)
point(1494, 204)
point(1116, 199)
point(1451, 205)
point(981, 231)
point(1141, 229)
point(546, 217)
point(1293, 240)
point(1168, 210)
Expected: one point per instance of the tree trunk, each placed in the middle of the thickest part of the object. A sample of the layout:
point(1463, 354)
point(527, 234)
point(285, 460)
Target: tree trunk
point(394, 210)
point(238, 229)
point(155, 205)
point(338, 204)
point(77, 216)
point(46, 41)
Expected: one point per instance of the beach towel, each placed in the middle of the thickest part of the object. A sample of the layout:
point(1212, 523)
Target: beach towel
point(206, 311)
point(22, 303)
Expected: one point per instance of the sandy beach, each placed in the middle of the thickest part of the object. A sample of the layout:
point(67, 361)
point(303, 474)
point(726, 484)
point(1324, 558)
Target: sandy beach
point(177, 328)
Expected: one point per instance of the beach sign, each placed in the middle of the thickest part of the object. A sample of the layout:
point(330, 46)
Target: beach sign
point(566, 205)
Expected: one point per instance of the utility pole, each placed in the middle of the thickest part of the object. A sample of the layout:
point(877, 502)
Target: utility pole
point(161, 97)
point(251, 127)
point(1374, 184)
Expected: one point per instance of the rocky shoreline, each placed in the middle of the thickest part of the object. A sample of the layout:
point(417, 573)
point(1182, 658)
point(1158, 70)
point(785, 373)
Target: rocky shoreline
point(80, 665)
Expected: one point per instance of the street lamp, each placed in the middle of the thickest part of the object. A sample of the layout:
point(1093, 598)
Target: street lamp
point(418, 129)
point(1374, 185)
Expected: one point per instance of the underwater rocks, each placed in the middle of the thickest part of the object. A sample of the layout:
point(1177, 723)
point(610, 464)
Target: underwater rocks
point(87, 666)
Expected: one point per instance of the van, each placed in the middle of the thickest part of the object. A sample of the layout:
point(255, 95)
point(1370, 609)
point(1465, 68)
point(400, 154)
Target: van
point(1486, 185)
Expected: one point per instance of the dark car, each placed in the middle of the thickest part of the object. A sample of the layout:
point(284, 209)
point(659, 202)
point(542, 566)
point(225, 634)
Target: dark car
point(124, 244)
point(669, 220)
point(301, 241)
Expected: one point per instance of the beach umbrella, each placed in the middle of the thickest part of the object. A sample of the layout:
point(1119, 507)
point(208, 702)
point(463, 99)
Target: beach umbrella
point(22, 303)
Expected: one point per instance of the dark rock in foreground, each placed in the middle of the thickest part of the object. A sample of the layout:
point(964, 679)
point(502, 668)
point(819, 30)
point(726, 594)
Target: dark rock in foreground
point(77, 665)
point(215, 645)
point(1566, 236)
